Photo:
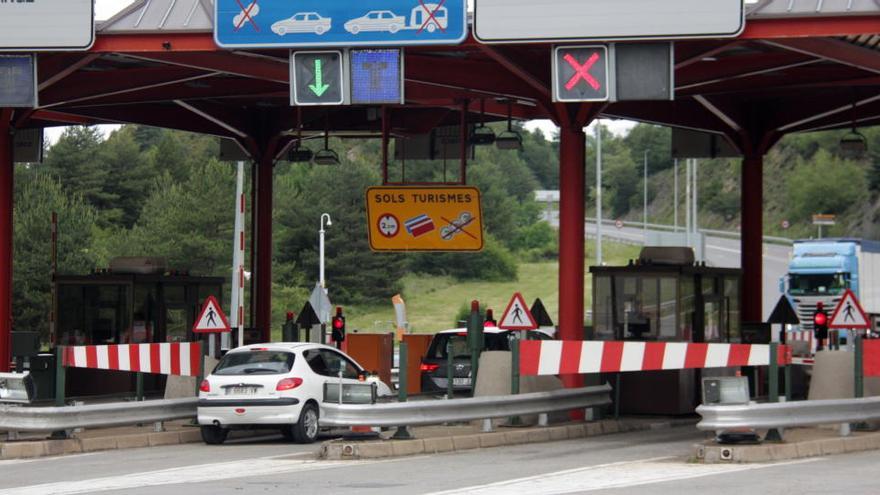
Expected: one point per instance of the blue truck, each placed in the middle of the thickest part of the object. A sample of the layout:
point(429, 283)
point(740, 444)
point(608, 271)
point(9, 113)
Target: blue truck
point(822, 269)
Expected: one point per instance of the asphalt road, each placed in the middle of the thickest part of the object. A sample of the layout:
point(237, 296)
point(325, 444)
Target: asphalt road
point(721, 252)
point(653, 462)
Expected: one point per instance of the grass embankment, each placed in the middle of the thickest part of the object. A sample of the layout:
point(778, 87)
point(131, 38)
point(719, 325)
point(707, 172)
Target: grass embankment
point(432, 303)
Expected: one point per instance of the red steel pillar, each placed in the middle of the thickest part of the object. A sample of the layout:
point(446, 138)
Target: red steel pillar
point(751, 250)
point(263, 254)
point(6, 191)
point(572, 149)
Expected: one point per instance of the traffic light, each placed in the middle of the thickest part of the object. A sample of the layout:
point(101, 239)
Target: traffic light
point(338, 327)
point(820, 325)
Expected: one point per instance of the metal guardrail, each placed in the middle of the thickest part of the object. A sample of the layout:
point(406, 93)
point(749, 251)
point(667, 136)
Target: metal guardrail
point(788, 414)
point(48, 419)
point(443, 411)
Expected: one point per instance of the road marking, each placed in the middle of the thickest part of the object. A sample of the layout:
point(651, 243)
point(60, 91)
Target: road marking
point(613, 475)
point(8, 462)
point(203, 473)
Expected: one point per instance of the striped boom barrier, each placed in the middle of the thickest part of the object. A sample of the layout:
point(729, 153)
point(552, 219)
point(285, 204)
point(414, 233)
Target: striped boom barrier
point(560, 357)
point(169, 358)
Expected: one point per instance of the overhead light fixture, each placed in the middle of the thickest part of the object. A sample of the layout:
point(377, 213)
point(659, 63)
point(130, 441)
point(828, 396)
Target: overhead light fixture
point(853, 144)
point(482, 135)
point(509, 139)
point(297, 154)
point(326, 156)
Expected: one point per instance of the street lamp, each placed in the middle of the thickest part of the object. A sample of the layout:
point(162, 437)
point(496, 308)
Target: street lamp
point(321, 247)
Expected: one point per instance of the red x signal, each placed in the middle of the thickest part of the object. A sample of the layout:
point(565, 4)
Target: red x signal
point(582, 71)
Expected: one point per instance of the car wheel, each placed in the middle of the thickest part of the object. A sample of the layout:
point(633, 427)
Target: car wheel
point(306, 429)
point(431, 28)
point(319, 30)
point(282, 31)
point(355, 29)
point(213, 435)
point(394, 28)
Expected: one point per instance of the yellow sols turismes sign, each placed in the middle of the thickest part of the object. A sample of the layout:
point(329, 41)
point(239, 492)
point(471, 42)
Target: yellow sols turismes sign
point(405, 218)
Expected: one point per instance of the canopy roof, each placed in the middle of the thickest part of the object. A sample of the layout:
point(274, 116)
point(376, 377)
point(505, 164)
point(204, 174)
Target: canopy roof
point(795, 68)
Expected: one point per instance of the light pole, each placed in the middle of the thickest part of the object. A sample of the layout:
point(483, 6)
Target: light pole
point(598, 192)
point(645, 213)
point(321, 249)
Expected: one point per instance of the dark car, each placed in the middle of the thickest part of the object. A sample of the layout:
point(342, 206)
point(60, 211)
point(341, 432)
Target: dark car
point(434, 364)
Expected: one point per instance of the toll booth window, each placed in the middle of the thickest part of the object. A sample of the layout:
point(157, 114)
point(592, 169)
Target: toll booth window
point(731, 297)
point(143, 324)
point(603, 323)
point(686, 310)
point(70, 315)
point(668, 302)
point(106, 313)
point(634, 296)
point(176, 324)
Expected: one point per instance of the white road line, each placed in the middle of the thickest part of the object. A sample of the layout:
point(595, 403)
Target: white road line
point(614, 475)
point(9, 462)
point(203, 473)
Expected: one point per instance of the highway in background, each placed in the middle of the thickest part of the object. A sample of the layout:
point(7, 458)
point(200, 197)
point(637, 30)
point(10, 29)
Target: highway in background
point(720, 251)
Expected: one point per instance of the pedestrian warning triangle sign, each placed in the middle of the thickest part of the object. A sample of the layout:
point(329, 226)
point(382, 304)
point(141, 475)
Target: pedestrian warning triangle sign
point(849, 313)
point(211, 319)
point(517, 315)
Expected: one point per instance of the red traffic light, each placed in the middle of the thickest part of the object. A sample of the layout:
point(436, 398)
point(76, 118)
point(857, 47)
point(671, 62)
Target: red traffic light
point(338, 323)
point(820, 319)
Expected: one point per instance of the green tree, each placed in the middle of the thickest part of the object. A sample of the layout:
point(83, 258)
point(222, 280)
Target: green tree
point(37, 195)
point(825, 184)
point(75, 161)
point(130, 176)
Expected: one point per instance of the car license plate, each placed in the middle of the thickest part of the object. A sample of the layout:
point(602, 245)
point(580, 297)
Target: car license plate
point(241, 391)
point(461, 381)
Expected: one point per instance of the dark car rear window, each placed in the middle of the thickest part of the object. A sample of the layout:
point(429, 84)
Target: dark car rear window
point(255, 362)
point(493, 342)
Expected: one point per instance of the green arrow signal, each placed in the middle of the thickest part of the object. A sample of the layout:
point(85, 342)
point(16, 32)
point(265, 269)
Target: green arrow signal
point(319, 88)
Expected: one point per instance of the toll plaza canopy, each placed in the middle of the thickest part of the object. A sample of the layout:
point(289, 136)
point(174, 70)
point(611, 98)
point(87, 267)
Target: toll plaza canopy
point(797, 66)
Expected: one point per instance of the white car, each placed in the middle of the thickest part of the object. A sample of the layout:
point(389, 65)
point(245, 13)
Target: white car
point(274, 385)
point(376, 20)
point(302, 22)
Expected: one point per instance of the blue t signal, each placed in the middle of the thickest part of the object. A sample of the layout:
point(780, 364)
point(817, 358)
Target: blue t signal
point(376, 77)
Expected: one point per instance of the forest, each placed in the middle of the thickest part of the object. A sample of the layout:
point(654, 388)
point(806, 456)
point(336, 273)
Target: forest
point(143, 191)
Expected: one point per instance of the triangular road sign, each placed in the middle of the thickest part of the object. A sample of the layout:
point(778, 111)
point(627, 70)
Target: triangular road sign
point(517, 315)
point(542, 318)
point(211, 319)
point(783, 313)
point(307, 316)
point(849, 313)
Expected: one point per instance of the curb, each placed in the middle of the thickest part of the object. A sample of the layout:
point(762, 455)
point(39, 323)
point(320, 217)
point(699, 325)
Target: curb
point(726, 454)
point(342, 449)
point(43, 448)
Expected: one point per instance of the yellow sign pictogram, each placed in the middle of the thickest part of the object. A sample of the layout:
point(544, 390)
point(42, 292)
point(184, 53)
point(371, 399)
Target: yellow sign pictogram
point(403, 218)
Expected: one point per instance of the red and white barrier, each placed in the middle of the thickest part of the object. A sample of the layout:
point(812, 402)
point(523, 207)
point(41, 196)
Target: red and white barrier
point(173, 358)
point(558, 357)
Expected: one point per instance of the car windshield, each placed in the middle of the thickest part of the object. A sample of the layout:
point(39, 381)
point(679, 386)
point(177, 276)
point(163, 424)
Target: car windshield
point(458, 341)
point(811, 285)
point(260, 362)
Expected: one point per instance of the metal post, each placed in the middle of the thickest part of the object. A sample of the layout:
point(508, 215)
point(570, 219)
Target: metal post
point(687, 201)
point(859, 370)
point(321, 249)
point(450, 392)
point(787, 372)
point(139, 386)
point(617, 396)
point(695, 207)
point(675, 195)
point(402, 432)
point(60, 376)
point(237, 277)
point(774, 373)
point(572, 166)
point(645, 205)
point(751, 249)
point(263, 255)
point(598, 193)
point(7, 169)
point(475, 341)
point(514, 376)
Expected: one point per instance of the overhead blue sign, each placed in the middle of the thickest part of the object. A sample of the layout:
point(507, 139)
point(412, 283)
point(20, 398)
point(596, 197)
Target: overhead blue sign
point(323, 23)
point(376, 77)
point(18, 81)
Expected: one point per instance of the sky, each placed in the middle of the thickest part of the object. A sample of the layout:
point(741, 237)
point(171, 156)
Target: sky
point(104, 9)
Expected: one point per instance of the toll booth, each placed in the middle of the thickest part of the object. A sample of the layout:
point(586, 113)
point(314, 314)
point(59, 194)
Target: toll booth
point(664, 296)
point(136, 300)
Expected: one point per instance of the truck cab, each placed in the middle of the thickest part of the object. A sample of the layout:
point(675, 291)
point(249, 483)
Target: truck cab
point(821, 270)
